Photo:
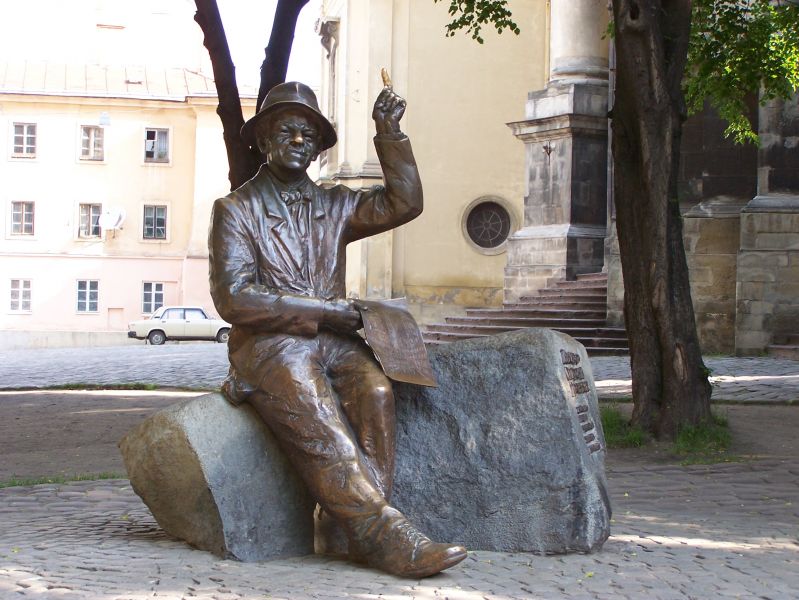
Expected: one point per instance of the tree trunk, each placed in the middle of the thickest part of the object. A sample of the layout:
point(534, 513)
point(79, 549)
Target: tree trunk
point(670, 385)
point(278, 51)
point(244, 161)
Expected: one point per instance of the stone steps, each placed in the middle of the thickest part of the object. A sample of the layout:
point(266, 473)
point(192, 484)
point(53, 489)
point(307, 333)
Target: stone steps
point(577, 308)
point(784, 345)
point(591, 350)
point(561, 288)
point(555, 302)
point(592, 277)
point(585, 327)
point(565, 295)
point(789, 351)
point(588, 337)
point(534, 312)
point(786, 339)
point(456, 335)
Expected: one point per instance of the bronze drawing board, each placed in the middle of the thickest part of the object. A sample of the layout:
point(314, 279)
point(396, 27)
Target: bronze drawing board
point(392, 333)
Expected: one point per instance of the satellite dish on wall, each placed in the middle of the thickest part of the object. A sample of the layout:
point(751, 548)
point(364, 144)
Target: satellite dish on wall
point(112, 218)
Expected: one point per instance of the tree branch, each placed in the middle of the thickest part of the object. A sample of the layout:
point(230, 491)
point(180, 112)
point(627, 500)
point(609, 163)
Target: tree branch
point(276, 54)
point(242, 162)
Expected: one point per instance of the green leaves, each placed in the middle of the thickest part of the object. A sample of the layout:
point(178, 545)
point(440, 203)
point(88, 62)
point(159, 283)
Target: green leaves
point(738, 48)
point(471, 15)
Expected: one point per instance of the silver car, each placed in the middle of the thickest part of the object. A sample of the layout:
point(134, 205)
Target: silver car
point(179, 323)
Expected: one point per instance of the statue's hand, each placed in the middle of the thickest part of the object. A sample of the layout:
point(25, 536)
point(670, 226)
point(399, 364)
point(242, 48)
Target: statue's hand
point(342, 316)
point(388, 110)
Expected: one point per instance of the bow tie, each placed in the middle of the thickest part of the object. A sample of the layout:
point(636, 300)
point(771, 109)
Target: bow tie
point(292, 196)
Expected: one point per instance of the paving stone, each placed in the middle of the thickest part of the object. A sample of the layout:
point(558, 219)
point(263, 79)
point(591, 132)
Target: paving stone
point(708, 532)
point(198, 365)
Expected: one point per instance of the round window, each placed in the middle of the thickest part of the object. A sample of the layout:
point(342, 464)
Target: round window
point(488, 224)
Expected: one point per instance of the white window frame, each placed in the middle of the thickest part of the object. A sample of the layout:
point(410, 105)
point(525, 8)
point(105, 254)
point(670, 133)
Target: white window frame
point(12, 222)
point(22, 286)
point(154, 160)
point(27, 152)
point(88, 134)
point(149, 298)
point(93, 221)
point(83, 306)
point(154, 206)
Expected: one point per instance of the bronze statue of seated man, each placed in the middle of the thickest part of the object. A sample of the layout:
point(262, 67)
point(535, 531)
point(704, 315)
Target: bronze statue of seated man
point(277, 256)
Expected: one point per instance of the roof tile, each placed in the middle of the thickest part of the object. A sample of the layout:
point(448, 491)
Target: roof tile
point(116, 81)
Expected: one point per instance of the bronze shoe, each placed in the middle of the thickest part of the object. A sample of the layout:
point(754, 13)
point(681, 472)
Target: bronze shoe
point(389, 542)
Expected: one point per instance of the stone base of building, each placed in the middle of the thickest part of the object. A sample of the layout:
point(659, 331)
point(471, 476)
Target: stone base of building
point(538, 256)
point(711, 231)
point(767, 277)
point(20, 340)
point(432, 304)
point(743, 261)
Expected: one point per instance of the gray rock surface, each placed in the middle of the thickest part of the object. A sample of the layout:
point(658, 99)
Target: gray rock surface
point(213, 475)
point(507, 453)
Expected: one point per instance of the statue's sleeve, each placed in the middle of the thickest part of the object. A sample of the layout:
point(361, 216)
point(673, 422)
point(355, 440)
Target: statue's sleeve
point(381, 208)
point(237, 295)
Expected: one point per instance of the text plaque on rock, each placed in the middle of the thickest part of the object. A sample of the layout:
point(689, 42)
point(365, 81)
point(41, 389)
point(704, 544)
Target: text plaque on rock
point(579, 386)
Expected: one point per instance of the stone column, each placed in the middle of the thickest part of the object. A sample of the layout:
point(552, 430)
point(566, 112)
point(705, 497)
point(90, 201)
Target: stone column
point(767, 283)
point(577, 49)
point(565, 134)
point(362, 35)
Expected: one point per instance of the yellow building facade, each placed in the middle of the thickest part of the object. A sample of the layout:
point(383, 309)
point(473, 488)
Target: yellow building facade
point(460, 95)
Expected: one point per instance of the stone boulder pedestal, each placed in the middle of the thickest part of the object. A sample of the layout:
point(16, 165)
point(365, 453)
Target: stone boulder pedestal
point(507, 454)
point(212, 474)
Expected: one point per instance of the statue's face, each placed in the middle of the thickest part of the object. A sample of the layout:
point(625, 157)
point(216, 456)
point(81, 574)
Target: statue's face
point(290, 139)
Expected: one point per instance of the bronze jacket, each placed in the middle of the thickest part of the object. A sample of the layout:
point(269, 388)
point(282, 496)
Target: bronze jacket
point(268, 279)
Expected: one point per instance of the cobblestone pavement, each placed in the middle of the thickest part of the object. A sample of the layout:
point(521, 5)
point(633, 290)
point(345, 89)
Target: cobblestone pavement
point(724, 531)
point(721, 531)
point(204, 365)
point(735, 379)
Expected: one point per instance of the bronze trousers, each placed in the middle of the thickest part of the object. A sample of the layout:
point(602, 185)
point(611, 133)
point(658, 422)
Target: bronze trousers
point(331, 407)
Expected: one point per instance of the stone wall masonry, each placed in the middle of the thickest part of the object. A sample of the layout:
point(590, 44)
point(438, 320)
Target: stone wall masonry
point(525, 281)
point(432, 304)
point(711, 230)
point(615, 282)
point(767, 216)
point(767, 272)
point(565, 137)
point(14, 340)
point(778, 159)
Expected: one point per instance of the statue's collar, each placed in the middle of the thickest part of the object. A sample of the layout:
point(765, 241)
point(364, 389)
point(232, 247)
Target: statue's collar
point(275, 206)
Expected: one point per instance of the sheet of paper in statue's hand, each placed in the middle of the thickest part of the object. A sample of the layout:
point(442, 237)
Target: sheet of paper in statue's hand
point(394, 337)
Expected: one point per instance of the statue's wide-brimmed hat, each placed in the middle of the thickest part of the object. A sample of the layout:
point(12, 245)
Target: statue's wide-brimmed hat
point(291, 94)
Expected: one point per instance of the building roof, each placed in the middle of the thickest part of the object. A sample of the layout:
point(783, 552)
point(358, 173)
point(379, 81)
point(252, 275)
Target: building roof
point(107, 81)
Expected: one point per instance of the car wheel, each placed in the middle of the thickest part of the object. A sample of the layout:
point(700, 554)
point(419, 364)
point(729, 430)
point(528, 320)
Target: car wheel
point(157, 337)
point(223, 335)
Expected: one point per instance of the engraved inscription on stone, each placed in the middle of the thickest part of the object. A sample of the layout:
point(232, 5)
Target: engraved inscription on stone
point(574, 373)
point(569, 358)
point(576, 378)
